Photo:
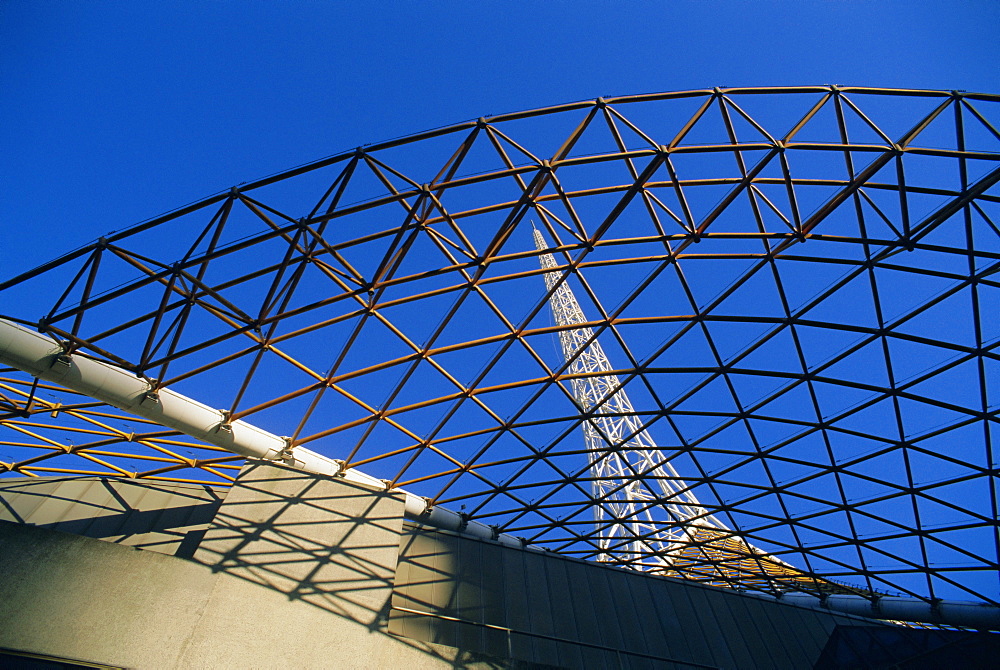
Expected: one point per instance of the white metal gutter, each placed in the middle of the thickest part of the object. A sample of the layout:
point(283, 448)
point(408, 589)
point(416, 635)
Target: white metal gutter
point(980, 616)
point(44, 358)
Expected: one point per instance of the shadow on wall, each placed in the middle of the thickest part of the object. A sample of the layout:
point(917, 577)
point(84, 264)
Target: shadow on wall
point(165, 517)
point(539, 608)
point(324, 542)
point(341, 548)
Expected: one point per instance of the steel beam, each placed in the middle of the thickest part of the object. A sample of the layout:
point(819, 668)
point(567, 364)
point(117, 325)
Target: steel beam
point(44, 358)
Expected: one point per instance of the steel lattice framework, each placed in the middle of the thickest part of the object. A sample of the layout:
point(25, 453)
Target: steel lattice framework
point(622, 455)
point(796, 287)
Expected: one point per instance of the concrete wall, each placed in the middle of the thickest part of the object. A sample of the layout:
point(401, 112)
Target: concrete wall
point(297, 570)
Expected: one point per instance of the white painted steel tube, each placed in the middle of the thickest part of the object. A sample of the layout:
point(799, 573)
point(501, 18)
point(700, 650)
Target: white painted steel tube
point(981, 616)
point(41, 357)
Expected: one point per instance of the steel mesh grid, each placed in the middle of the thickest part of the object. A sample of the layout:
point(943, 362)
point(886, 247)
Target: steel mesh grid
point(797, 288)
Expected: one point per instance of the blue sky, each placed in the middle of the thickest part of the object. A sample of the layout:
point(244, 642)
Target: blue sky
point(117, 111)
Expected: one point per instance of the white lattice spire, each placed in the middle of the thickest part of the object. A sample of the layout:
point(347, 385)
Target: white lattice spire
point(642, 512)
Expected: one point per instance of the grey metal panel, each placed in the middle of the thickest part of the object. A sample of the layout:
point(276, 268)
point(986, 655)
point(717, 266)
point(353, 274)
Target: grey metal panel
point(588, 618)
point(757, 631)
point(522, 647)
point(564, 614)
point(421, 557)
point(413, 626)
point(541, 615)
point(73, 505)
point(671, 627)
point(604, 601)
point(444, 563)
point(600, 659)
point(492, 587)
point(537, 594)
point(469, 581)
point(495, 642)
point(729, 630)
point(468, 593)
point(812, 634)
point(792, 633)
point(631, 626)
point(517, 600)
point(700, 624)
point(674, 594)
point(426, 585)
point(646, 612)
point(570, 655)
point(406, 582)
point(153, 502)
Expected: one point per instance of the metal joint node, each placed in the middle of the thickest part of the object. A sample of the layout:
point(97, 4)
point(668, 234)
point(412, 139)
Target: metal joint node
point(62, 360)
point(286, 454)
point(225, 425)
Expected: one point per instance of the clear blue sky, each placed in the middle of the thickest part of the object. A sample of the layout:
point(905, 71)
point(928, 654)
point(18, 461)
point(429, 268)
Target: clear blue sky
point(117, 111)
point(114, 112)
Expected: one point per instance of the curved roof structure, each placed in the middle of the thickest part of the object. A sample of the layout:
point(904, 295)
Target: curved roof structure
point(797, 288)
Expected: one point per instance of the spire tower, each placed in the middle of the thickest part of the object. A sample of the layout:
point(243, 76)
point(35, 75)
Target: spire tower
point(644, 511)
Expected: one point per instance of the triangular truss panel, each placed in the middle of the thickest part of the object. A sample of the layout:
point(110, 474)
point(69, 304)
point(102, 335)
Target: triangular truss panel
point(797, 289)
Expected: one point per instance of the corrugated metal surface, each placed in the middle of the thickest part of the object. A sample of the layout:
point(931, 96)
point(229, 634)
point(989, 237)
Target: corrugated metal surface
point(543, 608)
point(160, 516)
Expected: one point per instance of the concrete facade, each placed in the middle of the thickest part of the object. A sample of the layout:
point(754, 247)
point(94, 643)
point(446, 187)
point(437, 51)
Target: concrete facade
point(299, 570)
point(296, 571)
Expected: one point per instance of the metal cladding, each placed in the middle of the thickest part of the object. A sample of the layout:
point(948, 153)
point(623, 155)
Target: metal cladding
point(796, 287)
